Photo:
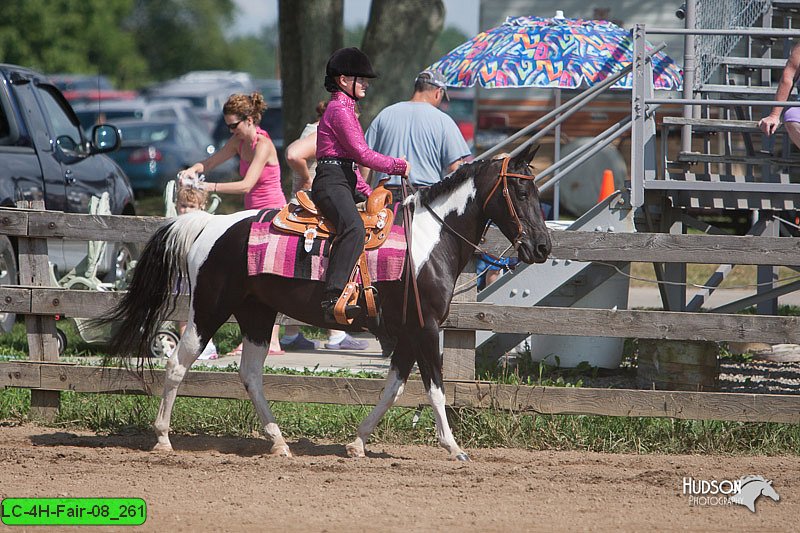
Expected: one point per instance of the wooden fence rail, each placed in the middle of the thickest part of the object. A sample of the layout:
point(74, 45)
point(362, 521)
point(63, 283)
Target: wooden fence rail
point(44, 374)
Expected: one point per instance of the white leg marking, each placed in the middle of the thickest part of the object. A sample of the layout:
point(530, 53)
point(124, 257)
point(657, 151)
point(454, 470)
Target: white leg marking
point(179, 362)
point(443, 432)
point(251, 374)
point(391, 392)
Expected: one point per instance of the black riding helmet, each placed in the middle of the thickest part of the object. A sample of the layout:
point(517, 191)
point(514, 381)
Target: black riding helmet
point(347, 62)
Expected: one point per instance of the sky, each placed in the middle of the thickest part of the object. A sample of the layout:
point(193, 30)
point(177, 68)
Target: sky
point(254, 14)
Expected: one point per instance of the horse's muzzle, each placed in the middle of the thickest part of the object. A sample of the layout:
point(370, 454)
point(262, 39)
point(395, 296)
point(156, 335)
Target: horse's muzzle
point(534, 250)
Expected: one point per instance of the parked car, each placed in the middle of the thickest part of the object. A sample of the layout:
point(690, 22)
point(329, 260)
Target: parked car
point(80, 88)
point(206, 97)
point(45, 155)
point(271, 120)
point(173, 109)
point(154, 151)
point(242, 79)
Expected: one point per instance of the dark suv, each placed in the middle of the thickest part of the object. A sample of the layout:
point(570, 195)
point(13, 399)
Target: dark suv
point(44, 155)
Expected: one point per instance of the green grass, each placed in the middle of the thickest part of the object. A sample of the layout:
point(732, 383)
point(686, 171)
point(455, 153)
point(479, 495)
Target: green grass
point(741, 276)
point(485, 428)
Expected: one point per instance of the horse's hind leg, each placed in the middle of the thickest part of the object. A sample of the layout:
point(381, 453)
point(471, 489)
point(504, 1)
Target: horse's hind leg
point(189, 348)
point(402, 361)
point(251, 371)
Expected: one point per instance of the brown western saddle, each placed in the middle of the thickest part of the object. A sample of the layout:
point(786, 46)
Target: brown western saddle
point(303, 218)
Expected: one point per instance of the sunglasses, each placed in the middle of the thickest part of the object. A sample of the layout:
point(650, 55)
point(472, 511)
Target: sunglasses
point(233, 125)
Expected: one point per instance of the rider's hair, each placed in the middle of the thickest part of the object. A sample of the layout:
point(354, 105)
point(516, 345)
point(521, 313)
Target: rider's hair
point(330, 84)
point(243, 105)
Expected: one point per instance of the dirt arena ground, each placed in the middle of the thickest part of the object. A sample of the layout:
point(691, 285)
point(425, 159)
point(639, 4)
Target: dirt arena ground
point(227, 484)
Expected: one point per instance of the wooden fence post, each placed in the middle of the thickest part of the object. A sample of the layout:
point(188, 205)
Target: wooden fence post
point(459, 345)
point(34, 270)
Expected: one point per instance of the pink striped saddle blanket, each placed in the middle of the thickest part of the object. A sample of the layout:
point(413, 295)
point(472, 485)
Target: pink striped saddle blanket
point(271, 251)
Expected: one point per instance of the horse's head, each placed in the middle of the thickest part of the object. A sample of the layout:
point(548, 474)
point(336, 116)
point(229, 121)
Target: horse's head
point(768, 491)
point(510, 199)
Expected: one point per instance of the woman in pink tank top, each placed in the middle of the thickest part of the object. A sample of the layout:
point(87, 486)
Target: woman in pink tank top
point(258, 164)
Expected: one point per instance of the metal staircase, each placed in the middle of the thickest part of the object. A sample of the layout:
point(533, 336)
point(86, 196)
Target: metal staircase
point(723, 165)
point(565, 283)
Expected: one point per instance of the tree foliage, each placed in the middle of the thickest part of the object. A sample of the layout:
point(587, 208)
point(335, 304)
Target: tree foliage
point(176, 36)
point(80, 36)
point(398, 40)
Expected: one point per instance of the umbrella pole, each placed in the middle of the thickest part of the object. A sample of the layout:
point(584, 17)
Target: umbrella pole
point(557, 158)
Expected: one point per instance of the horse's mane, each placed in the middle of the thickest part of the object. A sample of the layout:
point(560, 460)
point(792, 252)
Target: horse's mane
point(451, 182)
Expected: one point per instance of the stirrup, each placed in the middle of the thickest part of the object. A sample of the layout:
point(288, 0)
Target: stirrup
point(346, 307)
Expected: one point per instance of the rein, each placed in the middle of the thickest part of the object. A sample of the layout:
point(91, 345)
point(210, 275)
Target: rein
point(503, 176)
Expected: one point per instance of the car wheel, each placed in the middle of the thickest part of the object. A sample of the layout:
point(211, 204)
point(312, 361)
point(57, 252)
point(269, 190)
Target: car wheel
point(61, 337)
point(8, 276)
point(125, 255)
point(164, 343)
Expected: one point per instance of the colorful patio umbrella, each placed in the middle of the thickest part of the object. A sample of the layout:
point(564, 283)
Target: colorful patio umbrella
point(554, 52)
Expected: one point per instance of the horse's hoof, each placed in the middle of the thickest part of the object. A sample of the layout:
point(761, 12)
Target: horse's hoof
point(162, 448)
point(281, 451)
point(462, 457)
point(354, 451)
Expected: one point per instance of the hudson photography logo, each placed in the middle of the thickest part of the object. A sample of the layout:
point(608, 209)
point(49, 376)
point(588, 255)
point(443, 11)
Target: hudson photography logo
point(714, 492)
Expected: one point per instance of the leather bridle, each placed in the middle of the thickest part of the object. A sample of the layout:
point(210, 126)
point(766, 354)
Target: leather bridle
point(503, 177)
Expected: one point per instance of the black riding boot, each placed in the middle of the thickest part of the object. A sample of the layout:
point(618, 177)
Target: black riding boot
point(350, 311)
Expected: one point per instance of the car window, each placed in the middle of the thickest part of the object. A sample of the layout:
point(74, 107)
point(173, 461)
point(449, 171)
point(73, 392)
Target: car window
point(164, 113)
point(60, 120)
point(148, 133)
point(184, 136)
point(5, 130)
point(201, 138)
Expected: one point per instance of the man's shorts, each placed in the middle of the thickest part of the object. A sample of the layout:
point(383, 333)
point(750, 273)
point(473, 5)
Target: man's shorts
point(792, 114)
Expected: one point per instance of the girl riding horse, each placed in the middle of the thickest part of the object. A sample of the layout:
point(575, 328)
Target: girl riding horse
point(338, 183)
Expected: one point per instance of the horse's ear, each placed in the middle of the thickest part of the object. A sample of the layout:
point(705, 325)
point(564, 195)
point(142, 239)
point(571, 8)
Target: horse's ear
point(526, 155)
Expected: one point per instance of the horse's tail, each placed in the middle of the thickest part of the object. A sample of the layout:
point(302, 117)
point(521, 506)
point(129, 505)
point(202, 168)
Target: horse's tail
point(157, 279)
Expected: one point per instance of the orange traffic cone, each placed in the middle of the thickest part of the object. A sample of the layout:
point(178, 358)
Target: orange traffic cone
point(607, 187)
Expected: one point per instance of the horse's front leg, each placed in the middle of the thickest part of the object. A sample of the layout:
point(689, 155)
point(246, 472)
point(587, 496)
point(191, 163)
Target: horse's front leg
point(180, 361)
point(430, 367)
point(391, 392)
point(251, 372)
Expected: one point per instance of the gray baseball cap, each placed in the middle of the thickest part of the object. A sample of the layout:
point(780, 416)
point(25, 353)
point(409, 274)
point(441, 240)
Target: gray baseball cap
point(435, 78)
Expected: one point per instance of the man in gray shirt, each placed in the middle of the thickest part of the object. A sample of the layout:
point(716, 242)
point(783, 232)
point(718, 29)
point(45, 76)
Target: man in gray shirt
point(419, 132)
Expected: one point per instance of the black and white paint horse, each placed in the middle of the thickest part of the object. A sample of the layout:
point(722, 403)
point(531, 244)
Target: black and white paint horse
point(211, 253)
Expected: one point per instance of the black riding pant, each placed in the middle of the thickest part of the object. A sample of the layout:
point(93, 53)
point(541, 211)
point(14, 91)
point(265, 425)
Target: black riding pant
point(333, 191)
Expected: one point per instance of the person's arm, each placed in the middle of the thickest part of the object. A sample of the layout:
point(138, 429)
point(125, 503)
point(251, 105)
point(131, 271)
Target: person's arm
point(455, 151)
point(771, 122)
point(265, 151)
point(368, 175)
point(455, 164)
point(351, 138)
point(298, 155)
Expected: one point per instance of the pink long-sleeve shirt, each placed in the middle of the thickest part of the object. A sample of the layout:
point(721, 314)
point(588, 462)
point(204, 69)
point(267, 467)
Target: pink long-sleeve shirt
point(339, 134)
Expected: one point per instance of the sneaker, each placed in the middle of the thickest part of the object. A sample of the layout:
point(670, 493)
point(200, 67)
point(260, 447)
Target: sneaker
point(209, 353)
point(299, 344)
point(348, 343)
